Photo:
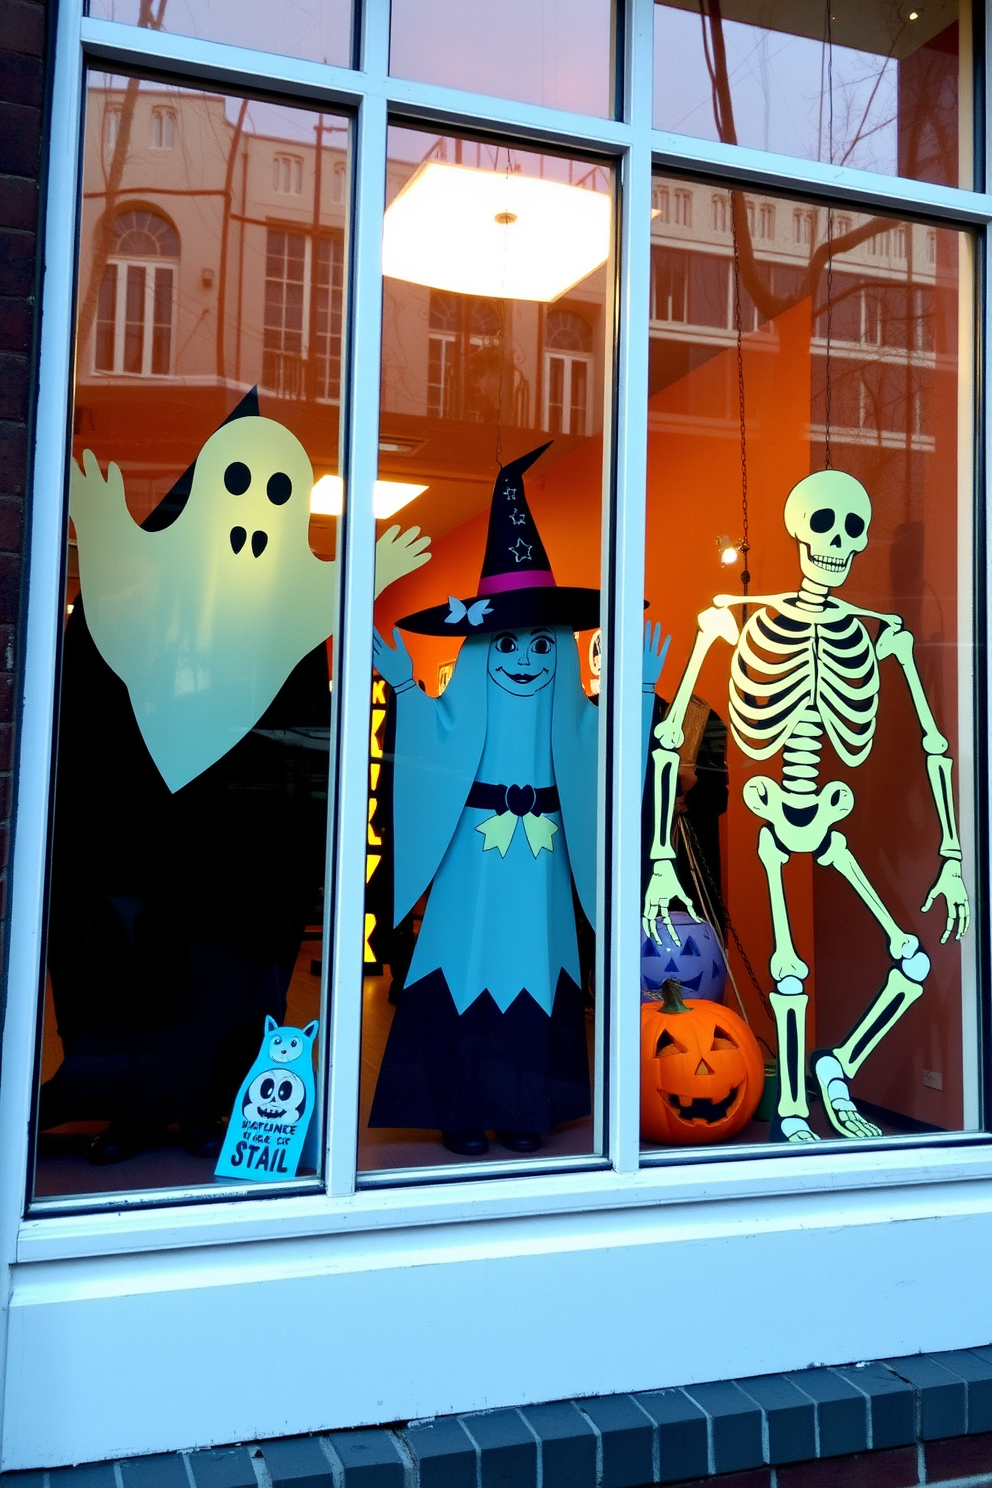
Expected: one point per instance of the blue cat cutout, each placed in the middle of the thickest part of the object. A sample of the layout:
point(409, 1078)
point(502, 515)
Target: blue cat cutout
point(269, 1133)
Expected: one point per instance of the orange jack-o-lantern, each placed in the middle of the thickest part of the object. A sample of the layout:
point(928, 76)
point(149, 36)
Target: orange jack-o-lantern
point(701, 1070)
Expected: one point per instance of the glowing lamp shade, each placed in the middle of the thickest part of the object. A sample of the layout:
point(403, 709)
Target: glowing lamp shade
point(506, 237)
point(327, 497)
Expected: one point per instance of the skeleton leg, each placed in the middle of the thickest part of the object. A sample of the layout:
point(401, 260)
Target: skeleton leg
point(903, 985)
point(789, 1002)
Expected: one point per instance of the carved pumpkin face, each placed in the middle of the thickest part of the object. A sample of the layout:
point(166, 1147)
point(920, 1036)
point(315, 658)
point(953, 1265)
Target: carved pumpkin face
point(701, 1070)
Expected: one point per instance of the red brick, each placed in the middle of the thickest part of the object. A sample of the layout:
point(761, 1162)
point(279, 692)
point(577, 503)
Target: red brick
point(14, 377)
point(13, 455)
point(15, 324)
point(21, 79)
point(958, 1457)
point(11, 527)
point(8, 640)
point(6, 745)
point(22, 28)
point(760, 1477)
point(20, 139)
point(10, 587)
point(7, 695)
point(18, 203)
point(6, 795)
point(896, 1468)
point(17, 260)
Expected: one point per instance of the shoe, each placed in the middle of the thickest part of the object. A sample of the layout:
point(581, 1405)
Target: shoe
point(519, 1141)
point(466, 1143)
point(122, 1140)
point(203, 1140)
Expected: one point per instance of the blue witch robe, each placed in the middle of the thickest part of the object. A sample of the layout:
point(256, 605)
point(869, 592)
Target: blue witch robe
point(490, 1028)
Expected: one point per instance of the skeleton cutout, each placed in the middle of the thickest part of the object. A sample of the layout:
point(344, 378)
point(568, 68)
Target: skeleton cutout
point(805, 668)
point(271, 1130)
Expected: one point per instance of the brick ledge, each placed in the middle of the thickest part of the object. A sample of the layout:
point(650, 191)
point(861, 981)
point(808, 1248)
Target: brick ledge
point(893, 1423)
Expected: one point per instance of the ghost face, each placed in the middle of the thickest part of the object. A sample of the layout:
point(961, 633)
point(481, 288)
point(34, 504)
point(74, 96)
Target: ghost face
point(523, 662)
point(259, 479)
point(275, 1095)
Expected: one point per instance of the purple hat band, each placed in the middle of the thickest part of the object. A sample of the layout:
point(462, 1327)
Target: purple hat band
point(536, 578)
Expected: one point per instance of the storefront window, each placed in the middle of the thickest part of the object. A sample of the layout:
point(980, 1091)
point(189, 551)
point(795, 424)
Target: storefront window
point(554, 52)
point(319, 30)
point(483, 1021)
point(870, 84)
point(807, 968)
point(185, 926)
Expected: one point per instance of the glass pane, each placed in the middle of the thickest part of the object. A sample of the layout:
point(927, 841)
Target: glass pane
point(193, 724)
point(808, 817)
point(319, 30)
point(482, 1029)
point(558, 53)
point(864, 83)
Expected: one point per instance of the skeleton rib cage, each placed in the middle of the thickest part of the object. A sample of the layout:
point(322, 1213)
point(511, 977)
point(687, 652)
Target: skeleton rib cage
point(791, 681)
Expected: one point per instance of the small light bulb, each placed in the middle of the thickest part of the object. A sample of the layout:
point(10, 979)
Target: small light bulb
point(914, 15)
point(729, 552)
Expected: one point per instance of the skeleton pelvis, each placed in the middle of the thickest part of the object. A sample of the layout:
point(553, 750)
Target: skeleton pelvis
point(800, 823)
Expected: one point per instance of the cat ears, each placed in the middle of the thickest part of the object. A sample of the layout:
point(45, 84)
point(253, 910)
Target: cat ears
point(270, 1023)
point(310, 1032)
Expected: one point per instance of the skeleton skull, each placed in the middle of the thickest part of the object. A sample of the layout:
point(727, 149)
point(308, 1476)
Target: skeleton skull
point(828, 514)
point(275, 1095)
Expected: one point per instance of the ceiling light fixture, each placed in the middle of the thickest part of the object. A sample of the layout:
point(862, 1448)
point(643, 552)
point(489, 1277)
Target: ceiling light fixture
point(507, 237)
point(388, 497)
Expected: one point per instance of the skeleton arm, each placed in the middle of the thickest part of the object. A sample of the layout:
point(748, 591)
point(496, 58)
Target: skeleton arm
point(898, 642)
point(714, 624)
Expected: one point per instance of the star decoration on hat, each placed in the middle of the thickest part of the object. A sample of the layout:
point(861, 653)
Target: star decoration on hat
point(518, 518)
point(521, 551)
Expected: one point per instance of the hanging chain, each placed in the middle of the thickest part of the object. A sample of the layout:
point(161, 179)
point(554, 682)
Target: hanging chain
point(695, 852)
point(739, 324)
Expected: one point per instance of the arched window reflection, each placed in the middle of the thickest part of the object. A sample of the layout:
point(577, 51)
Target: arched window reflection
point(568, 347)
point(136, 306)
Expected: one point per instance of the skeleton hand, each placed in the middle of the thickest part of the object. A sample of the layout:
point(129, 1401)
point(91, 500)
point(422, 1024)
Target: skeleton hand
point(395, 666)
point(663, 888)
point(951, 885)
point(653, 657)
point(396, 555)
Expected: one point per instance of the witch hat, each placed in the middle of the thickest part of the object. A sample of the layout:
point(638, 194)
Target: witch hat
point(517, 587)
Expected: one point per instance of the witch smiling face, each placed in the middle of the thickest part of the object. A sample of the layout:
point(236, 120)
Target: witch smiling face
point(523, 662)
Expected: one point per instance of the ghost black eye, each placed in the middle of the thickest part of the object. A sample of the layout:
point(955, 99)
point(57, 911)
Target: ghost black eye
point(506, 644)
point(822, 520)
point(266, 1089)
point(237, 478)
point(285, 1090)
point(279, 488)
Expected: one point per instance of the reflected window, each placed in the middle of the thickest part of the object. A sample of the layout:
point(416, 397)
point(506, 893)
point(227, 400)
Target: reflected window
point(163, 129)
point(568, 361)
point(136, 305)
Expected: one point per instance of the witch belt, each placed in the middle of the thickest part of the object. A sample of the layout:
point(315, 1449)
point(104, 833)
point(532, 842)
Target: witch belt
point(513, 803)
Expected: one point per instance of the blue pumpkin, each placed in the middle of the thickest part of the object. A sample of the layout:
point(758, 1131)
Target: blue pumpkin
point(697, 963)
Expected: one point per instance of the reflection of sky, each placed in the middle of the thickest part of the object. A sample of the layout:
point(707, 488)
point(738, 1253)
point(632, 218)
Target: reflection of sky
point(316, 29)
point(551, 52)
point(778, 87)
point(415, 146)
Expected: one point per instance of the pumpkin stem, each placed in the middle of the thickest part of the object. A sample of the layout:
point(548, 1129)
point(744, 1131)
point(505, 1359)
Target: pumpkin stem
point(672, 990)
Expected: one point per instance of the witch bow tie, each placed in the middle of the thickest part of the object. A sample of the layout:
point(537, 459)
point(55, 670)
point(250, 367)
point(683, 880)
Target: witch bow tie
point(513, 803)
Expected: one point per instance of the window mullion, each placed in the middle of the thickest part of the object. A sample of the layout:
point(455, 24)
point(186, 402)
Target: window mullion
point(353, 653)
point(625, 696)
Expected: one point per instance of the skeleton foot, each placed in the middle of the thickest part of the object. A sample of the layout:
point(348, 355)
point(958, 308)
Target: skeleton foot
point(795, 1129)
point(842, 1113)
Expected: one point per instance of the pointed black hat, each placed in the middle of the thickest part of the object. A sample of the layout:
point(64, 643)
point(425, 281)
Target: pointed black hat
point(172, 504)
point(517, 587)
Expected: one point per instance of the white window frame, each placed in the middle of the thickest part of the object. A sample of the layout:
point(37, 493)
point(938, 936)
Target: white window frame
point(150, 266)
point(530, 1284)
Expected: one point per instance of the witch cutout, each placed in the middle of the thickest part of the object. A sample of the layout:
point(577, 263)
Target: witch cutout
point(495, 788)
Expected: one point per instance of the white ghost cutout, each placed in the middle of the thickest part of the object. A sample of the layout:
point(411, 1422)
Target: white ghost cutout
point(204, 620)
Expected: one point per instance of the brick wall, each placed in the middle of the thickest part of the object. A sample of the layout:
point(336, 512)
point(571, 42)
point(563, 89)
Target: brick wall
point(22, 117)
